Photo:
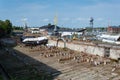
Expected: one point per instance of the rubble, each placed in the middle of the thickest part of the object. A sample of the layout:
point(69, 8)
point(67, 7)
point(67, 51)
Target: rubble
point(65, 59)
point(67, 54)
point(73, 65)
point(113, 69)
point(114, 74)
point(60, 57)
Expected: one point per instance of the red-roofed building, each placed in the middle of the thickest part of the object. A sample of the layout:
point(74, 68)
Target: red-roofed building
point(113, 29)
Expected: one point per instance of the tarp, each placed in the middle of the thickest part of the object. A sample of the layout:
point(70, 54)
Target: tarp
point(66, 34)
point(110, 37)
point(35, 39)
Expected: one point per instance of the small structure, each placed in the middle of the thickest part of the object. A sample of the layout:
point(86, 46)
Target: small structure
point(61, 39)
point(35, 41)
point(110, 38)
point(113, 29)
point(34, 30)
point(67, 34)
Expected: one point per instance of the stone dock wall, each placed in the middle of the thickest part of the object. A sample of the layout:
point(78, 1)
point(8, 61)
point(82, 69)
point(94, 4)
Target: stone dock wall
point(95, 49)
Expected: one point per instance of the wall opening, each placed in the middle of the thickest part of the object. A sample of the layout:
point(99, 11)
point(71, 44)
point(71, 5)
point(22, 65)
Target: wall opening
point(61, 39)
point(106, 52)
point(119, 60)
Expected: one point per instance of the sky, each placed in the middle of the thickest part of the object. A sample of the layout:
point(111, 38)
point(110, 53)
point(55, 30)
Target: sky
point(70, 13)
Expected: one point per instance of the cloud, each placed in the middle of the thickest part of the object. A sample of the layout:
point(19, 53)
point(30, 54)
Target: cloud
point(99, 19)
point(101, 7)
point(46, 20)
point(82, 19)
point(33, 6)
point(66, 19)
point(32, 9)
point(24, 19)
point(71, 12)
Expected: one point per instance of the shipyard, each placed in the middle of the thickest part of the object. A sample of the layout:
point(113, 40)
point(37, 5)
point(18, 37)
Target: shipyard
point(47, 40)
point(59, 57)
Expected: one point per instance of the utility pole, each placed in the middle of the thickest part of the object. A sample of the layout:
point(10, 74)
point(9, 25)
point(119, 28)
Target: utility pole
point(25, 24)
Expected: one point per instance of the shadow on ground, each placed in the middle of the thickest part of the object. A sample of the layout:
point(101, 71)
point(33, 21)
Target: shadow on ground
point(22, 67)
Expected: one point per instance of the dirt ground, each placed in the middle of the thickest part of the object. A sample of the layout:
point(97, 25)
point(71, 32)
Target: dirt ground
point(52, 63)
point(65, 64)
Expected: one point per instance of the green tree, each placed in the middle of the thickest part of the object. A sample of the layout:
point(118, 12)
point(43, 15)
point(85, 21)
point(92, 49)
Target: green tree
point(6, 27)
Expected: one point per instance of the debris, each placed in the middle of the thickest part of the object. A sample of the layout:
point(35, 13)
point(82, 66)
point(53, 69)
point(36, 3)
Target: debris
point(113, 69)
point(114, 74)
point(65, 59)
point(105, 62)
point(88, 60)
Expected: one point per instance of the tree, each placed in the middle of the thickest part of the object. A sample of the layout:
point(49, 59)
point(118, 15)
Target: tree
point(5, 27)
point(8, 26)
point(49, 24)
point(17, 28)
point(2, 33)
